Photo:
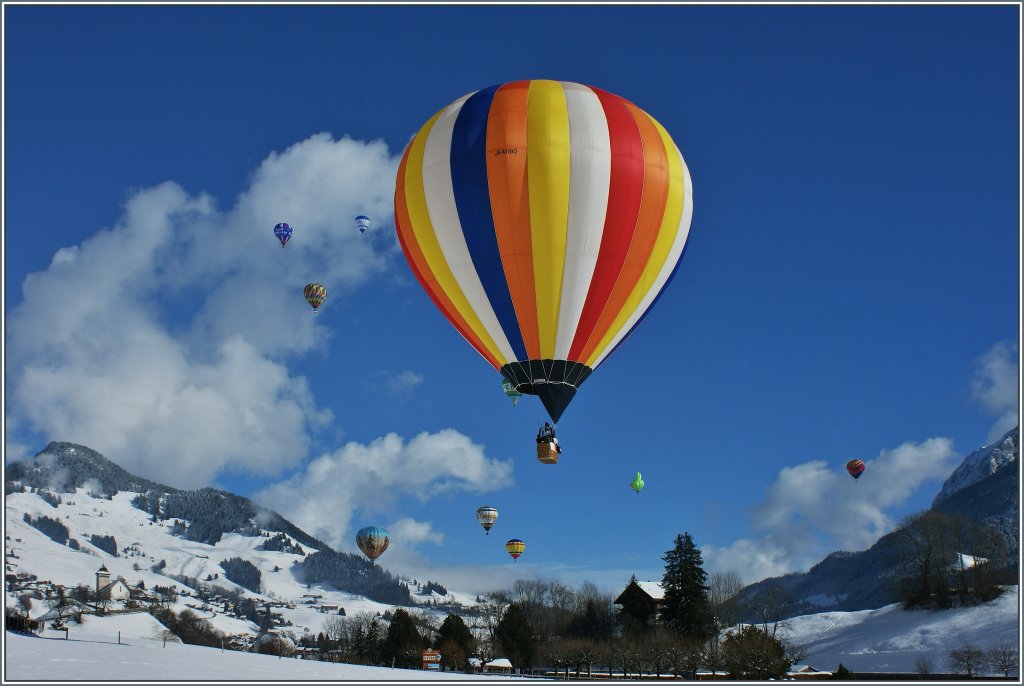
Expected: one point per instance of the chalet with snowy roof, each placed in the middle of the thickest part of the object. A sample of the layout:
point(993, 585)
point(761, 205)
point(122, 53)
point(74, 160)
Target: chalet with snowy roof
point(641, 599)
point(501, 665)
point(805, 672)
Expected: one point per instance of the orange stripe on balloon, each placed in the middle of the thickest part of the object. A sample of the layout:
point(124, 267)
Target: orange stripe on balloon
point(648, 224)
point(510, 203)
point(418, 263)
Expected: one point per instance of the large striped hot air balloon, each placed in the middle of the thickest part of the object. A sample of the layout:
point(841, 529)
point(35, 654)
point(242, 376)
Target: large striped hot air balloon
point(543, 218)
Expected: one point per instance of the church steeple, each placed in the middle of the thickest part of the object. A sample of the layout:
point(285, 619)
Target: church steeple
point(102, 579)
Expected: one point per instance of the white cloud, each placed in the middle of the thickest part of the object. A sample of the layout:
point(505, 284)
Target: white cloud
point(399, 384)
point(376, 479)
point(161, 342)
point(815, 507)
point(995, 386)
point(407, 531)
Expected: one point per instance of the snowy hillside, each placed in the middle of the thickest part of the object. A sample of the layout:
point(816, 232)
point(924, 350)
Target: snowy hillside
point(891, 639)
point(143, 544)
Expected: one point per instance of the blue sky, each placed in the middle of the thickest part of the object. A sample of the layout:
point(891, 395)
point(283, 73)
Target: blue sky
point(850, 286)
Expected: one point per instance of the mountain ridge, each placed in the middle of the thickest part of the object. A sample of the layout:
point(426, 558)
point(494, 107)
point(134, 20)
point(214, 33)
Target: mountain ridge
point(203, 515)
point(985, 491)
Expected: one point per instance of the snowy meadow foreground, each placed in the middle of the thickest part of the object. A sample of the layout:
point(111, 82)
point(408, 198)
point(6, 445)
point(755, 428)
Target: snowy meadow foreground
point(888, 639)
point(92, 653)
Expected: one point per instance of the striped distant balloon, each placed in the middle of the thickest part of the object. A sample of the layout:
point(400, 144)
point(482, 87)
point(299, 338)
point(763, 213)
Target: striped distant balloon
point(515, 547)
point(315, 294)
point(543, 218)
point(373, 541)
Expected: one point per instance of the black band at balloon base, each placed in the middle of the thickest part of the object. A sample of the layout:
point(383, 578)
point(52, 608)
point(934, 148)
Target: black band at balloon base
point(553, 381)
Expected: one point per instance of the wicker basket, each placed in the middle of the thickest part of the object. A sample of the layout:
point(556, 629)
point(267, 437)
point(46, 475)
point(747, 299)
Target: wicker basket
point(547, 453)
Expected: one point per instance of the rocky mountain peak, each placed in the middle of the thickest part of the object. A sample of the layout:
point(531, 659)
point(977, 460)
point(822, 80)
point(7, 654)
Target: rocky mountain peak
point(982, 463)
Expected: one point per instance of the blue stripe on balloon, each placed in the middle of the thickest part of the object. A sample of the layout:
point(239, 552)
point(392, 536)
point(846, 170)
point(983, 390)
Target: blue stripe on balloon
point(473, 202)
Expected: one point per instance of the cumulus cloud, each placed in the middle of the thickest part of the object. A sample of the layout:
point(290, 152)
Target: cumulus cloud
point(162, 341)
point(815, 507)
point(995, 386)
point(376, 478)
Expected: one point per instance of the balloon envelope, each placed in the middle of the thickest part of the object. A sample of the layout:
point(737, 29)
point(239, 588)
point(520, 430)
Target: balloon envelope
point(637, 483)
point(855, 468)
point(543, 218)
point(283, 233)
point(373, 541)
point(486, 516)
point(362, 223)
point(315, 294)
point(515, 548)
point(511, 391)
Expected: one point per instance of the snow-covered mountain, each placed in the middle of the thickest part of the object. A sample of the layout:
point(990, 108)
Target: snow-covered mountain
point(70, 512)
point(983, 489)
point(981, 464)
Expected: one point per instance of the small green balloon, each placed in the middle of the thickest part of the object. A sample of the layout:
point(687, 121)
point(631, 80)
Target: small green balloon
point(637, 484)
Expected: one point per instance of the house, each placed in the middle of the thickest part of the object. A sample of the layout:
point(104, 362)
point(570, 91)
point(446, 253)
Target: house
point(805, 672)
point(116, 590)
point(501, 665)
point(641, 599)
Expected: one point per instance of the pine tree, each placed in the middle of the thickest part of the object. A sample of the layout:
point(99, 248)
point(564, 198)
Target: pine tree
point(685, 607)
point(455, 641)
point(403, 642)
point(516, 636)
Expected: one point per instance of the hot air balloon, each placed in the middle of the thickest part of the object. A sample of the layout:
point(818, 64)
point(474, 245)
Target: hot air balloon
point(486, 515)
point(373, 541)
point(283, 233)
point(515, 548)
point(362, 223)
point(637, 484)
point(315, 294)
point(543, 218)
point(855, 468)
point(511, 391)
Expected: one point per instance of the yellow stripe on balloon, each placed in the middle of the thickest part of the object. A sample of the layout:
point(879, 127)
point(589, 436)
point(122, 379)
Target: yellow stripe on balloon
point(662, 246)
point(423, 230)
point(547, 171)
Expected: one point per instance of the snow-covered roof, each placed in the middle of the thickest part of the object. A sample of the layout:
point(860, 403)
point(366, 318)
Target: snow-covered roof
point(502, 662)
point(805, 669)
point(652, 588)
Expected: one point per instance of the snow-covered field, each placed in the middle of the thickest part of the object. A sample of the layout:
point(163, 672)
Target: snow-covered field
point(92, 653)
point(891, 639)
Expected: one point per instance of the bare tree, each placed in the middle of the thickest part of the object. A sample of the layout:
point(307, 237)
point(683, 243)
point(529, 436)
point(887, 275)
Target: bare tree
point(1002, 657)
point(769, 605)
point(491, 610)
point(334, 628)
point(967, 659)
point(923, 665)
point(723, 588)
point(25, 603)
